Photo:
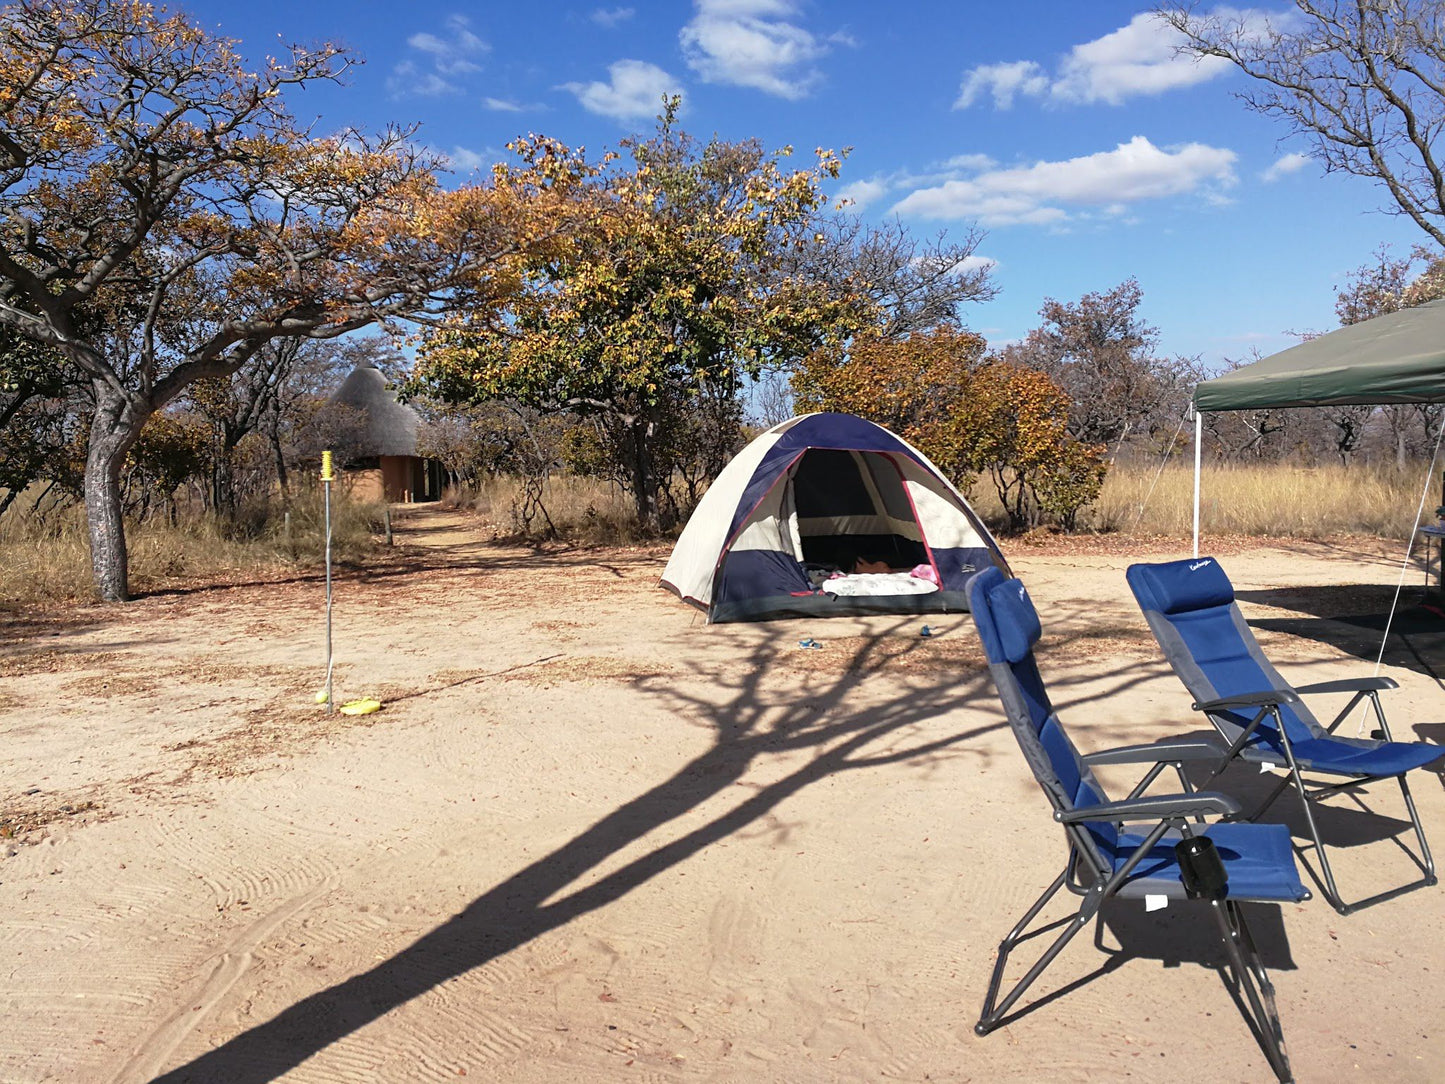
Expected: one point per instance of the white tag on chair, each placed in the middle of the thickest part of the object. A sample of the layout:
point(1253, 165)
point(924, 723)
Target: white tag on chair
point(1154, 902)
point(1266, 766)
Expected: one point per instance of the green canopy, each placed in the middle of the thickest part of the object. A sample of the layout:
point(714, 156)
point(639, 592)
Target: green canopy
point(1395, 358)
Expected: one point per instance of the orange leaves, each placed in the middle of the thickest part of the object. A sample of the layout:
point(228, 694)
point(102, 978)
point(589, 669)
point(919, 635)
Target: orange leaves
point(967, 413)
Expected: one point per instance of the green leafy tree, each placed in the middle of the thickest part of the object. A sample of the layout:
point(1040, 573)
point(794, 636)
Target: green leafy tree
point(681, 290)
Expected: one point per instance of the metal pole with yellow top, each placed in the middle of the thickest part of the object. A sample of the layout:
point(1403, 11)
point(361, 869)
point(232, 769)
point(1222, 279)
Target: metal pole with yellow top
point(326, 479)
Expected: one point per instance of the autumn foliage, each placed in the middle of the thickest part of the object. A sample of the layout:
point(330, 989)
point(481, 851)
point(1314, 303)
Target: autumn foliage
point(677, 289)
point(163, 218)
point(970, 413)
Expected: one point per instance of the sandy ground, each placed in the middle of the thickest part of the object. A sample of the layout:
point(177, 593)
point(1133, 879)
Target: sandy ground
point(592, 838)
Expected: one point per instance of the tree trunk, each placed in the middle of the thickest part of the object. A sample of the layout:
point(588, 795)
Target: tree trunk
point(280, 467)
point(113, 430)
point(642, 471)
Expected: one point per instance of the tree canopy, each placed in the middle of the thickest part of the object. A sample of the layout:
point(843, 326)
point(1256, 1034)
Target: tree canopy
point(1105, 358)
point(162, 217)
point(684, 284)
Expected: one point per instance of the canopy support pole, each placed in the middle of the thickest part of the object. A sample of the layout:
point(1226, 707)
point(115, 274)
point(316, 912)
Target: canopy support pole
point(1198, 446)
point(1410, 550)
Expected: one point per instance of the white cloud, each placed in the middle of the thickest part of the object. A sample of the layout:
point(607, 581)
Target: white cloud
point(464, 161)
point(452, 53)
point(970, 162)
point(443, 56)
point(610, 17)
point(1003, 81)
point(1107, 180)
point(862, 193)
point(752, 43)
point(1282, 167)
point(635, 90)
point(1140, 58)
point(1143, 57)
point(506, 105)
point(406, 78)
point(975, 263)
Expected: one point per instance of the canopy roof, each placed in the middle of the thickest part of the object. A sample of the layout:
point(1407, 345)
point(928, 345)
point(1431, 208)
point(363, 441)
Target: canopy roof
point(1395, 358)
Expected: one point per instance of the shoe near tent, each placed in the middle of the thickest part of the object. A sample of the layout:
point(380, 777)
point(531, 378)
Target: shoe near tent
point(819, 493)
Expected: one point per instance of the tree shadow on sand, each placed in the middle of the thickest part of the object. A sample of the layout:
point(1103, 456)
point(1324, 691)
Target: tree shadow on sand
point(752, 723)
point(1352, 619)
point(773, 705)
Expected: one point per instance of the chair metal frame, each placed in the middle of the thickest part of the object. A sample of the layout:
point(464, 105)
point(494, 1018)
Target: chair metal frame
point(1268, 704)
point(1089, 871)
point(1247, 969)
point(1154, 587)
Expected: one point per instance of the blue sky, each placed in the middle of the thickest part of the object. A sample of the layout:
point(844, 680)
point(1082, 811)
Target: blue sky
point(1068, 131)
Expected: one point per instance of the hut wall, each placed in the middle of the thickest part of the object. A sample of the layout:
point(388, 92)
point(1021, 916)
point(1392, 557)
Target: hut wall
point(365, 484)
point(398, 475)
point(396, 479)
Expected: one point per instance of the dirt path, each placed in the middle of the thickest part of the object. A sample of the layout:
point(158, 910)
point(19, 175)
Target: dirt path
point(590, 837)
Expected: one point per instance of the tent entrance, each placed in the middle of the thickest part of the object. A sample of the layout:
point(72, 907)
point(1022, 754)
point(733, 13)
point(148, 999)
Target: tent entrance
point(851, 506)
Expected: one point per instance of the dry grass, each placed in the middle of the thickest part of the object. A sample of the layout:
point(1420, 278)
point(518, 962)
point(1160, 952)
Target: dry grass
point(1274, 500)
point(583, 510)
point(48, 560)
point(1268, 500)
point(1263, 501)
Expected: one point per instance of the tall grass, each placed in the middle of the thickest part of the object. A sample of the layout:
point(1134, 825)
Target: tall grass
point(1261, 500)
point(583, 510)
point(1266, 500)
point(1270, 500)
point(48, 559)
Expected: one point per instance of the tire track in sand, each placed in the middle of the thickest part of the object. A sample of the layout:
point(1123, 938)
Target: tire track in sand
point(153, 1052)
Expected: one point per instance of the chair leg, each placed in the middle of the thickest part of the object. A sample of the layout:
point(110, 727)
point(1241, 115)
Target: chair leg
point(1331, 892)
point(1428, 865)
point(1251, 977)
point(994, 1010)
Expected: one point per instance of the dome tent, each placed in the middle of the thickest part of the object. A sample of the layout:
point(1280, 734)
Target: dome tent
point(819, 493)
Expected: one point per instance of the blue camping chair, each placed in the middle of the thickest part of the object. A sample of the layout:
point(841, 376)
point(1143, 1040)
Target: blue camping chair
point(1176, 856)
point(1191, 609)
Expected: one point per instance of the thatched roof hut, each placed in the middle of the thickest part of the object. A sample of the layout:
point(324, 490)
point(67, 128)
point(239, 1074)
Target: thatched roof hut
point(384, 463)
point(390, 426)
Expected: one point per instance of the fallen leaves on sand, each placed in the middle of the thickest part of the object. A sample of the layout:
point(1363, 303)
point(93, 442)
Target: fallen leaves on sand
point(24, 822)
point(26, 663)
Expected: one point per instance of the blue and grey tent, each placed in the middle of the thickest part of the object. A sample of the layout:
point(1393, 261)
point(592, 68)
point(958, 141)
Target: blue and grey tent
point(811, 502)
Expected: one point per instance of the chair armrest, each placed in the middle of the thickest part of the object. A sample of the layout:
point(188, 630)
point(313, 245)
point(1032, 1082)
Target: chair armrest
point(1350, 685)
point(1163, 752)
point(1265, 698)
point(1158, 807)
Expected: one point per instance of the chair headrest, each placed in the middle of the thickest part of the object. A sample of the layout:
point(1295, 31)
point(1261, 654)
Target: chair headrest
point(1177, 587)
point(1007, 623)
